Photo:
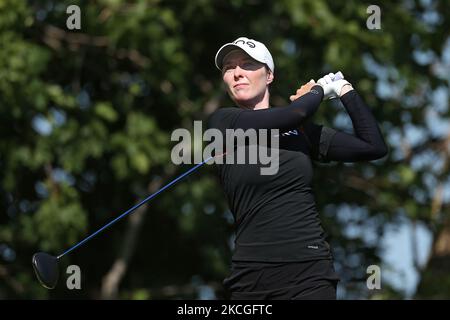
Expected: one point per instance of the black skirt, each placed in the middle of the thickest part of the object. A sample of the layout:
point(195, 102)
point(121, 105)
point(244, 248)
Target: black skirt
point(316, 280)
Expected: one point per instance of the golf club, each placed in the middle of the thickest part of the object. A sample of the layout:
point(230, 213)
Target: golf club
point(46, 265)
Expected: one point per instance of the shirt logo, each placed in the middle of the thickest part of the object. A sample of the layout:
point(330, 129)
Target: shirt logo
point(288, 133)
point(313, 247)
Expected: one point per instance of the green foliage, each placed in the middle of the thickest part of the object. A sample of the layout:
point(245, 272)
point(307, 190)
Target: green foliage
point(58, 223)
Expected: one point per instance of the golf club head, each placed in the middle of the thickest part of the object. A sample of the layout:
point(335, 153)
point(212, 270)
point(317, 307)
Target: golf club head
point(46, 268)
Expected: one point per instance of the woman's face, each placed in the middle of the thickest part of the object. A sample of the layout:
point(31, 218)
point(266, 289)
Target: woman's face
point(246, 79)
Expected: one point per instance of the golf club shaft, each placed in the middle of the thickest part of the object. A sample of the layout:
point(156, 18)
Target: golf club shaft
point(135, 207)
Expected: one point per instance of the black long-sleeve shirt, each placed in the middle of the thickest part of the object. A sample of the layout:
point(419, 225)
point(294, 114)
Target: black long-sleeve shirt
point(276, 216)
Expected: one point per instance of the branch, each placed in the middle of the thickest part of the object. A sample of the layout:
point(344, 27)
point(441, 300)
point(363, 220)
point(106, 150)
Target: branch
point(54, 37)
point(415, 247)
point(111, 281)
point(437, 144)
point(354, 181)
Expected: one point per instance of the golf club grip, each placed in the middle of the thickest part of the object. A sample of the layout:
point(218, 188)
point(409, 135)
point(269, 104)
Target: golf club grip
point(338, 76)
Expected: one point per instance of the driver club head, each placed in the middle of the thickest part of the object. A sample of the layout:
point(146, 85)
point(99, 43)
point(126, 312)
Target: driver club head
point(46, 268)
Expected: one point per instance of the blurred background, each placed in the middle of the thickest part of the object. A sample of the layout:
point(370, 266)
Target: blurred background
point(86, 118)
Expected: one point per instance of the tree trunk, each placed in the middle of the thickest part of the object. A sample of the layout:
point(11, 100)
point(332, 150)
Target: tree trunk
point(435, 280)
point(111, 281)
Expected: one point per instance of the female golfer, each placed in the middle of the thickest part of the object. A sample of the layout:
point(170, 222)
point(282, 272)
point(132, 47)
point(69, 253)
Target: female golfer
point(280, 249)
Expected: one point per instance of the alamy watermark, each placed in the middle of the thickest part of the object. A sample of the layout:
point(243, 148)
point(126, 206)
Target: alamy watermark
point(74, 20)
point(74, 278)
point(374, 280)
point(236, 146)
point(374, 20)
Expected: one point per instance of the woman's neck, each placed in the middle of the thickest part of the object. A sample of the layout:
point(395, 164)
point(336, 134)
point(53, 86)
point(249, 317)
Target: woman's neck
point(258, 103)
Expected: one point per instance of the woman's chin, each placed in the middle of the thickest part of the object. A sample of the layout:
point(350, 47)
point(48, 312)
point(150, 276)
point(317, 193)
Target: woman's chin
point(242, 100)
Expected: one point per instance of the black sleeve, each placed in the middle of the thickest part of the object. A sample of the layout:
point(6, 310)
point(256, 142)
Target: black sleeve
point(319, 138)
point(282, 118)
point(367, 144)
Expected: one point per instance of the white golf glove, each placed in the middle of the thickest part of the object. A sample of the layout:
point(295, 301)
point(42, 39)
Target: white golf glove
point(332, 85)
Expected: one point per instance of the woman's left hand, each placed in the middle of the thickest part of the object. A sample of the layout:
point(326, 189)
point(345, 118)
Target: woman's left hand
point(304, 89)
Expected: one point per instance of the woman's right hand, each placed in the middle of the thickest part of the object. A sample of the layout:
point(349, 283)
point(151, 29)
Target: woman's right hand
point(304, 89)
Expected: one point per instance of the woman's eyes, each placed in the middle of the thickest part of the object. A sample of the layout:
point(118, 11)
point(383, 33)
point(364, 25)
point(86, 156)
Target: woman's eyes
point(245, 65)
